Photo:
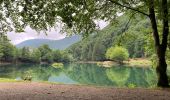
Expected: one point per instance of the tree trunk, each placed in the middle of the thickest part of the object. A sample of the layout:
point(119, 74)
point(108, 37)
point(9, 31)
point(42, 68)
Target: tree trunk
point(160, 47)
point(161, 68)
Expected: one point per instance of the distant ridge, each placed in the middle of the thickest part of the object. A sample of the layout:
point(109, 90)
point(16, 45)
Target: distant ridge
point(53, 44)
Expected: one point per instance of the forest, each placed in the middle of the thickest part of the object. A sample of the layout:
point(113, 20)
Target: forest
point(10, 54)
point(133, 36)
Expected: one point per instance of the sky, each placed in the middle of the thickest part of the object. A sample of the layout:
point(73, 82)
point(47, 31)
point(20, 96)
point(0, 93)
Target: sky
point(54, 34)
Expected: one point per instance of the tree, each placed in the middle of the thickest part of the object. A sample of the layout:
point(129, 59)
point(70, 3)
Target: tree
point(65, 57)
point(1, 52)
point(117, 53)
point(6, 49)
point(46, 53)
point(98, 51)
point(79, 16)
point(25, 54)
point(36, 55)
point(17, 54)
point(108, 9)
point(56, 55)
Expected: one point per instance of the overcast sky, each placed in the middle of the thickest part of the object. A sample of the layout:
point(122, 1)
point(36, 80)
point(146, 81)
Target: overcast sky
point(32, 34)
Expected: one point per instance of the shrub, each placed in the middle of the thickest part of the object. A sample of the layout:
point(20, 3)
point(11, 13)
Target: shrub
point(131, 85)
point(57, 65)
point(117, 53)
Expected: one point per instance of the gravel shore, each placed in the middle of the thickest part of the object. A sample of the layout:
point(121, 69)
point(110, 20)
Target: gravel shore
point(45, 91)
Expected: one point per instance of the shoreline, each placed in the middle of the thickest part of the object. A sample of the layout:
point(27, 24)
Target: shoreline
point(139, 62)
point(43, 91)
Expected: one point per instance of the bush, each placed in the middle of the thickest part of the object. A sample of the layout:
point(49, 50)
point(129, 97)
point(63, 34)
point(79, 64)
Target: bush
point(117, 53)
point(57, 65)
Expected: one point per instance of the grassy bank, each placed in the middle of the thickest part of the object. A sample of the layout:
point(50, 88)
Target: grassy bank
point(139, 62)
point(9, 80)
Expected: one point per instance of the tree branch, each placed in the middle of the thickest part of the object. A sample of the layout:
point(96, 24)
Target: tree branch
point(127, 7)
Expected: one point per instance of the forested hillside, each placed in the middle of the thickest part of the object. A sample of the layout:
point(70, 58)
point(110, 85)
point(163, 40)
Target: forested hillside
point(131, 34)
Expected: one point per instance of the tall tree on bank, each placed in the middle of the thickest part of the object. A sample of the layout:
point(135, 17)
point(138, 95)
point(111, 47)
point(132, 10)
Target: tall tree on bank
point(160, 46)
point(79, 16)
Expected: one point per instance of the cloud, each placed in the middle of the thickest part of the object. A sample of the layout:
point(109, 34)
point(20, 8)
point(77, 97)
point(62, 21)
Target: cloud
point(32, 34)
point(54, 34)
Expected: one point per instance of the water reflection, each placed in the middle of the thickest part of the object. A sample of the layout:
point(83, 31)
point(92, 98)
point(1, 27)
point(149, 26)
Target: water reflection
point(119, 76)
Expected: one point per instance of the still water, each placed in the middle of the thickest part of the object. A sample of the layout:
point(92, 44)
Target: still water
point(88, 74)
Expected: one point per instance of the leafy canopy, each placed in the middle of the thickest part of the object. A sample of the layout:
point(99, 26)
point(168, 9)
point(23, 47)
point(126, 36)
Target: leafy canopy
point(75, 16)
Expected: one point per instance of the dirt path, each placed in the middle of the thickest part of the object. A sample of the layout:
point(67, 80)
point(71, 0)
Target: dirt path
point(44, 91)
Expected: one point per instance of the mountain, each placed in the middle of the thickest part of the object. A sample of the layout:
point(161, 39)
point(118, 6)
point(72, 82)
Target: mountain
point(53, 44)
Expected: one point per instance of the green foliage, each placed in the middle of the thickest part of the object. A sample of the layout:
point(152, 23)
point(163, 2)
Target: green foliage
point(57, 65)
point(66, 57)
point(131, 85)
point(77, 16)
point(36, 55)
point(98, 51)
point(1, 52)
point(61, 56)
point(133, 38)
point(6, 49)
point(117, 53)
point(25, 54)
point(27, 76)
point(44, 49)
point(46, 54)
point(56, 55)
point(9, 53)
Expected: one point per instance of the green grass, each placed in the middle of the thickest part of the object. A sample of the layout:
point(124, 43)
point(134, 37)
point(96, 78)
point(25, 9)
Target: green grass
point(13, 80)
point(9, 80)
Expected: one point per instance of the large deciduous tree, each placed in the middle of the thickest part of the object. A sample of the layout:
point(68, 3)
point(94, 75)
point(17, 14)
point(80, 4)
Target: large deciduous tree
point(79, 16)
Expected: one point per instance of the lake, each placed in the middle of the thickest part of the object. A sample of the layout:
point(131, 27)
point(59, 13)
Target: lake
point(87, 74)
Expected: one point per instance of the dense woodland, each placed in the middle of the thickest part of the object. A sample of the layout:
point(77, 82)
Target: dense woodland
point(9, 53)
point(132, 35)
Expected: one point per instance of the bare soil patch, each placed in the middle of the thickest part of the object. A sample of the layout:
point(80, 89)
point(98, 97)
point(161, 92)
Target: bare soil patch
point(45, 91)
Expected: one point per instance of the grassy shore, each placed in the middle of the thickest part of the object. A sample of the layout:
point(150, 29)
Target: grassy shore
point(138, 62)
point(9, 80)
